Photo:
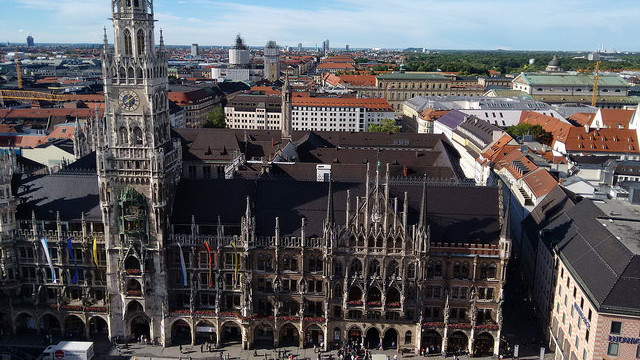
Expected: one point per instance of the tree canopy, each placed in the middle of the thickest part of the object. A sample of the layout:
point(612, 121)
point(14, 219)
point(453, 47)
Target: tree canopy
point(215, 118)
point(385, 125)
point(536, 131)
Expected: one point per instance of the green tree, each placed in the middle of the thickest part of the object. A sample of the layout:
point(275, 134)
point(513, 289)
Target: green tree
point(385, 125)
point(215, 118)
point(536, 131)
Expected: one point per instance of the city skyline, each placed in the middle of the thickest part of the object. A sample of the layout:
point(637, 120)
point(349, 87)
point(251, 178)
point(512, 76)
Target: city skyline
point(437, 24)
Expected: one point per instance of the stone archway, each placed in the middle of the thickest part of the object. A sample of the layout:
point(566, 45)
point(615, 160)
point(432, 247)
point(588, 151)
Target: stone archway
point(313, 336)
point(231, 333)
point(288, 336)
point(263, 336)
point(458, 342)
point(98, 328)
point(140, 327)
point(390, 340)
point(354, 335)
point(431, 340)
point(74, 328)
point(483, 344)
point(205, 332)
point(180, 333)
point(372, 338)
point(25, 324)
point(50, 325)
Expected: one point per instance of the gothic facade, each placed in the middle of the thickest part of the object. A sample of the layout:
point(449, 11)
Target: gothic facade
point(133, 250)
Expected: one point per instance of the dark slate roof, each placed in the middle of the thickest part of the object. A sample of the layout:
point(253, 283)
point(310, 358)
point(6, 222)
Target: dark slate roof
point(482, 131)
point(70, 194)
point(86, 164)
point(452, 119)
point(605, 268)
point(557, 201)
point(456, 214)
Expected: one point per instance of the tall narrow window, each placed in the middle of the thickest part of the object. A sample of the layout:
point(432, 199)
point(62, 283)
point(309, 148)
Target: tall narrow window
point(127, 42)
point(140, 43)
point(137, 135)
point(122, 136)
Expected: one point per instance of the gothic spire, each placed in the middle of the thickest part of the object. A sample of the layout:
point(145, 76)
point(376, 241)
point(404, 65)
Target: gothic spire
point(105, 44)
point(161, 41)
point(330, 219)
point(423, 205)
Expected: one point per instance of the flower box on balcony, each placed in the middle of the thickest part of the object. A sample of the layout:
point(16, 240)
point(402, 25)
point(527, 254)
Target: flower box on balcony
point(460, 326)
point(487, 327)
point(433, 324)
point(289, 318)
point(205, 312)
point(133, 271)
point(71, 308)
point(314, 319)
point(99, 309)
point(134, 292)
point(355, 302)
point(374, 303)
point(394, 305)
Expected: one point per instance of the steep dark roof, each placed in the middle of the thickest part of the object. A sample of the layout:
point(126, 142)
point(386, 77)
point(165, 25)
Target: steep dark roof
point(606, 269)
point(70, 194)
point(456, 214)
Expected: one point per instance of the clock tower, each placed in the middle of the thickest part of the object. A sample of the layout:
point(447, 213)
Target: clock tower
point(138, 168)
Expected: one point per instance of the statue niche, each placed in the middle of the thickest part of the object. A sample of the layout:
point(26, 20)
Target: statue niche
point(134, 222)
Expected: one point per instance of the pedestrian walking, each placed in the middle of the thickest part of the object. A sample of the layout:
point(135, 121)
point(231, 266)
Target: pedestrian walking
point(180, 349)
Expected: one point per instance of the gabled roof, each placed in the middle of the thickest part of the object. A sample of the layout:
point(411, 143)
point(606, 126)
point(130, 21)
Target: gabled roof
point(614, 118)
point(540, 182)
point(601, 141)
point(537, 79)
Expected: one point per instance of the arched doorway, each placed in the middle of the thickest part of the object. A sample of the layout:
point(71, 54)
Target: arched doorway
point(355, 335)
point(134, 307)
point(98, 328)
point(457, 342)
point(205, 333)
point(132, 265)
point(50, 325)
point(483, 345)
point(74, 328)
point(431, 340)
point(180, 333)
point(25, 324)
point(231, 333)
point(372, 338)
point(140, 327)
point(314, 336)
point(263, 336)
point(390, 340)
point(289, 335)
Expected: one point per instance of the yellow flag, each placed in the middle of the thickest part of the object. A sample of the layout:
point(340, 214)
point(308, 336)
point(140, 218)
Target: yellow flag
point(95, 251)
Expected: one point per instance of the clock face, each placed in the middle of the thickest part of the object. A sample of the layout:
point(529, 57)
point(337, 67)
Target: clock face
point(129, 100)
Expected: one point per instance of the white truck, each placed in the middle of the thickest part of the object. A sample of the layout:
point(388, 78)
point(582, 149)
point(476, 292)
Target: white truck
point(69, 350)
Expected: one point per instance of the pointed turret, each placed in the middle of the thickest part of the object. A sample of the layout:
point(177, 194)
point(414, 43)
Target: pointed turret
point(330, 218)
point(105, 44)
point(423, 205)
point(161, 40)
point(286, 110)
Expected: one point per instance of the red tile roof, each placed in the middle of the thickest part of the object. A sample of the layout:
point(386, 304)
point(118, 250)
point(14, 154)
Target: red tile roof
point(603, 140)
point(359, 80)
point(337, 66)
point(189, 97)
point(616, 118)
point(540, 182)
point(267, 90)
point(582, 118)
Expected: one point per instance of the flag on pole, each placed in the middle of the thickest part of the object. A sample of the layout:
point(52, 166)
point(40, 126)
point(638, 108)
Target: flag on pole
point(183, 268)
point(45, 247)
point(206, 244)
point(74, 279)
point(95, 251)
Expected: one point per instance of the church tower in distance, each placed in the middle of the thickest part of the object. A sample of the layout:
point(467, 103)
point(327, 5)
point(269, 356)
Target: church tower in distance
point(138, 169)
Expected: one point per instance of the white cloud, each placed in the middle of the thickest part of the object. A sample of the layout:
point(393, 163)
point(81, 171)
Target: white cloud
point(518, 24)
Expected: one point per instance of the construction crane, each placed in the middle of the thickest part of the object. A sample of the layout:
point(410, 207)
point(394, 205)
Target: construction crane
point(594, 97)
point(19, 74)
point(30, 95)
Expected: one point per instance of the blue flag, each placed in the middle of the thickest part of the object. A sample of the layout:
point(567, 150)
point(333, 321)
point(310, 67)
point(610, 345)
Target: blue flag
point(183, 268)
point(74, 279)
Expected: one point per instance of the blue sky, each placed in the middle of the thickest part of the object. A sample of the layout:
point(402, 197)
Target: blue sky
point(436, 24)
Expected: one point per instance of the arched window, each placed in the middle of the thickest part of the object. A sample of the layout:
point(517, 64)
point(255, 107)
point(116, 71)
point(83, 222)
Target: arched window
point(137, 136)
point(492, 271)
point(264, 262)
point(374, 268)
point(355, 268)
point(434, 269)
point(123, 74)
point(337, 268)
point(122, 136)
point(411, 271)
point(136, 3)
point(127, 42)
point(130, 75)
point(392, 269)
point(290, 263)
point(140, 43)
point(407, 337)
